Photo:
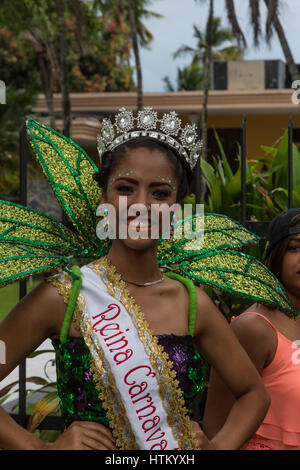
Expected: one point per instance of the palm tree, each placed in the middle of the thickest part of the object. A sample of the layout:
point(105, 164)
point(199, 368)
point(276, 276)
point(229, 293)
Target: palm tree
point(207, 61)
point(64, 79)
point(188, 78)
point(133, 13)
point(208, 48)
point(135, 44)
point(272, 23)
point(30, 19)
point(219, 36)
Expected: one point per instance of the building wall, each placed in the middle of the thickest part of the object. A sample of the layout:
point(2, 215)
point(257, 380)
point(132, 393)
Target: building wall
point(262, 129)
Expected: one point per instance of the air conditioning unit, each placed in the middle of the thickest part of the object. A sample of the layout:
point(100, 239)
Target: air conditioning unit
point(248, 75)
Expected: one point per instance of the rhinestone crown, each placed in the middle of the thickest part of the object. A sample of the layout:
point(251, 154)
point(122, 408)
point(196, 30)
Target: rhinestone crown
point(146, 124)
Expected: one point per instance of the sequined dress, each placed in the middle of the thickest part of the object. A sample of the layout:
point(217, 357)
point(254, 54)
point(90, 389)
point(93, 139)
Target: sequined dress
point(79, 398)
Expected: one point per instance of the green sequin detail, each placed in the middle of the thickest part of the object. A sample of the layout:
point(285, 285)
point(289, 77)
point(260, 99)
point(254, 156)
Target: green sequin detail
point(70, 171)
point(31, 242)
point(240, 274)
point(78, 396)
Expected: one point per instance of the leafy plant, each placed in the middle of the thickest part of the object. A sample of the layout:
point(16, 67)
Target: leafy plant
point(39, 410)
point(266, 182)
point(274, 180)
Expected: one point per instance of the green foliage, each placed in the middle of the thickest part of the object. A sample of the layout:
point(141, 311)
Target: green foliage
point(275, 179)
point(188, 78)
point(191, 76)
point(266, 182)
point(12, 116)
point(118, 11)
point(98, 49)
point(220, 36)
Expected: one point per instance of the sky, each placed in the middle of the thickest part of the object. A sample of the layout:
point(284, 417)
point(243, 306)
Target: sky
point(176, 29)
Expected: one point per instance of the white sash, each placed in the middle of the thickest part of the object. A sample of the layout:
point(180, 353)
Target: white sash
point(134, 386)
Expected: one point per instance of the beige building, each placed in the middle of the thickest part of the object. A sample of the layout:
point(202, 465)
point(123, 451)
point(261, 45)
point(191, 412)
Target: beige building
point(267, 113)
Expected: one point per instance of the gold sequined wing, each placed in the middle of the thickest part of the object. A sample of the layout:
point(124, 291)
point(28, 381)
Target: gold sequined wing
point(19, 261)
point(201, 233)
point(70, 171)
point(239, 274)
point(32, 242)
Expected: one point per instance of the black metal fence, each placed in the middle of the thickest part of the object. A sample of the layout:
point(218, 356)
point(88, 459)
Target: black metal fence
point(260, 228)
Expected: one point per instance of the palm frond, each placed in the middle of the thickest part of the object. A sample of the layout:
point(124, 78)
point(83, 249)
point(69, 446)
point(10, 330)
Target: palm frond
point(255, 20)
point(273, 7)
point(236, 30)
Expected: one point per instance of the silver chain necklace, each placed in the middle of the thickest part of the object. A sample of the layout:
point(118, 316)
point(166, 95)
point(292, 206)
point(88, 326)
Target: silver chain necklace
point(146, 284)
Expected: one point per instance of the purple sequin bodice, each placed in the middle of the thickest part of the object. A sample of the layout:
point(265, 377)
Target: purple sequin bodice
point(79, 398)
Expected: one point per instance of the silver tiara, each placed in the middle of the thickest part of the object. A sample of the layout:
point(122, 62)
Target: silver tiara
point(146, 124)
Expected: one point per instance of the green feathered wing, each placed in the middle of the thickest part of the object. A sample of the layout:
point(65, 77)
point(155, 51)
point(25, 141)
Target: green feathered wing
point(31, 242)
point(214, 257)
point(197, 235)
point(34, 242)
point(69, 171)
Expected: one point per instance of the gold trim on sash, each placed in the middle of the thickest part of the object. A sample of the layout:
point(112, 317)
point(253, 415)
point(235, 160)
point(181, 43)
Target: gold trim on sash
point(108, 392)
point(125, 439)
point(170, 393)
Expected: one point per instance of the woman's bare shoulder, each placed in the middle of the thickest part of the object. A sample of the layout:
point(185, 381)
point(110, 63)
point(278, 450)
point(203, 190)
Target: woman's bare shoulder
point(252, 324)
point(43, 308)
point(206, 310)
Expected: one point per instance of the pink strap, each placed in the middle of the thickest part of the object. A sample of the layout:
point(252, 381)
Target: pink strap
point(258, 314)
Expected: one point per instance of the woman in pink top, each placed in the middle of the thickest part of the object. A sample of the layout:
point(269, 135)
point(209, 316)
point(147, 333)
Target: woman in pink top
point(272, 340)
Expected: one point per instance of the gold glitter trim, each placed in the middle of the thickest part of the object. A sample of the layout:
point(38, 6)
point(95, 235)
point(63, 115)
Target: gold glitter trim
point(118, 421)
point(107, 393)
point(168, 387)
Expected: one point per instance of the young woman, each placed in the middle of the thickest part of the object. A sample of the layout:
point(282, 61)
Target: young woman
point(113, 371)
point(271, 339)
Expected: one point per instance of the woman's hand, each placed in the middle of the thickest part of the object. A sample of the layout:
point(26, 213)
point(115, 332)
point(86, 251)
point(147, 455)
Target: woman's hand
point(204, 443)
point(83, 435)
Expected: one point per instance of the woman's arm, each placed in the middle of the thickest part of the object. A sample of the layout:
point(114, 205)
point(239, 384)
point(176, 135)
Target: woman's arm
point(35, 318)
point(32, 321)
point(259, 341)
point(249, 400)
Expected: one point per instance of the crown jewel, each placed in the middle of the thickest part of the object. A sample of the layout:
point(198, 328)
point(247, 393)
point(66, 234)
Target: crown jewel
point(146, 124)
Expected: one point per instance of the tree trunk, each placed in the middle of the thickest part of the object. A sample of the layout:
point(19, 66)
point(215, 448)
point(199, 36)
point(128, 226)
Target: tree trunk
point(206, 78)
point(46, 71)
point(64, 82)
point(134, 38)
point(206, 85)
point(293, 69)
point(46, 81)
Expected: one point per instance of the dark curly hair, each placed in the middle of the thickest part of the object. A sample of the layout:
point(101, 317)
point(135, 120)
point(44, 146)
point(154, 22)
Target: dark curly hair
point(110, 160)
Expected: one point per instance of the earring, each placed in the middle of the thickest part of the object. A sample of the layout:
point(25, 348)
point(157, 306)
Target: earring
point(172, 224)
point(106, 221)
point(105, 229)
